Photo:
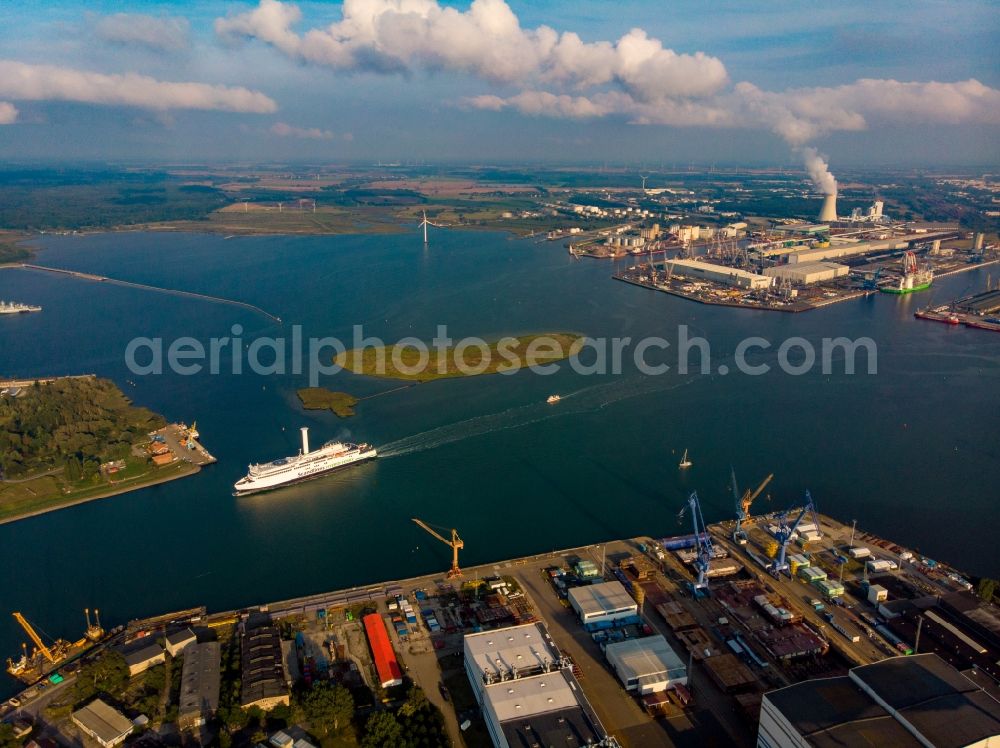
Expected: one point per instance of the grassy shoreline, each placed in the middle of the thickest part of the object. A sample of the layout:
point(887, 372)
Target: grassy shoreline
point(55, 503)
point(503, 356)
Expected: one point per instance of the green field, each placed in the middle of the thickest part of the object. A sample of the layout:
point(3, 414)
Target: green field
point(320, 398)
point(505, 355)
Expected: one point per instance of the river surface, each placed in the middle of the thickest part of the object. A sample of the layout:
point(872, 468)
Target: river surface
point(911, 452)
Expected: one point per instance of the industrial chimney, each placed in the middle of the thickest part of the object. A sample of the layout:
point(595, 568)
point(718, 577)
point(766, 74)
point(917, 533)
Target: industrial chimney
point(305, 440)
point(829, 211)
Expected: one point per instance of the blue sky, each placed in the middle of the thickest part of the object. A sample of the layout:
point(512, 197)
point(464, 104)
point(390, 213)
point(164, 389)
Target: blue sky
point(729, 81)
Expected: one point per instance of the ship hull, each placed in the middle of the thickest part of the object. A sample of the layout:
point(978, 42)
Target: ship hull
point(901, 291)
point(262, 485)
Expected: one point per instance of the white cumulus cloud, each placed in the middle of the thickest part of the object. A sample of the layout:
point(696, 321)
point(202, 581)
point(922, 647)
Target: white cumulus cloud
point(561, 75)
point(486, 40)
point(8, 113)
point(164, 33)
point(285, 130)
point(19, 80)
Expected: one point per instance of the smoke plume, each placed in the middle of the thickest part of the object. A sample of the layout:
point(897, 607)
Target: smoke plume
point(819, 171)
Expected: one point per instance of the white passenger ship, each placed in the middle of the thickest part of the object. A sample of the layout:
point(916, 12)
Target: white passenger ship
point(304, 466)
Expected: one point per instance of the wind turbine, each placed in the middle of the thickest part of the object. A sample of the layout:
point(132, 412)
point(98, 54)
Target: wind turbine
point(425, 223)
point(644, 178)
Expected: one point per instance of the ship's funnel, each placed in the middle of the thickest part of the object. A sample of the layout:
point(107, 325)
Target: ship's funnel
point(305, 440)
point(829, 210)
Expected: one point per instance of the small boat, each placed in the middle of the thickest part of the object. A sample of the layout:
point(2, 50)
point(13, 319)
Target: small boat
point(553, 399)
point(685, 462)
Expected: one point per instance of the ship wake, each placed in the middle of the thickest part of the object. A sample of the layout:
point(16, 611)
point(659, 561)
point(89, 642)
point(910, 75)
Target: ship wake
point(586, 400)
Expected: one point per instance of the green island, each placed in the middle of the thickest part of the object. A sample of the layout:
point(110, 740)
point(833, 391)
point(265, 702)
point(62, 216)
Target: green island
point(504, 355)
point(74, 439)
point(320, 398)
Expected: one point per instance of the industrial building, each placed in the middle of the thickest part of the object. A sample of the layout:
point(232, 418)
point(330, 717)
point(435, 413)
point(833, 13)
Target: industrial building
point(176, 642)
point(646, 665)
point(802, 229)
point(526, 696)
point(389, 672)
point(918, 700)
point(735, 277)
point(199, 696)
point(103, 723)
point(603, 604)
point(265, 683)
point(143, 654)
point(805, 273)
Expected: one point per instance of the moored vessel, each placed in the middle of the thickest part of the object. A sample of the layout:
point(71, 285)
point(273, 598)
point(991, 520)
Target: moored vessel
point(912, 279)
point(304, 466)
point(13, 307)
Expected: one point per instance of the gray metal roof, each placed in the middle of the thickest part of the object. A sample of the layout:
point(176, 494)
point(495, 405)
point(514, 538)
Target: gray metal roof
point(945, 707)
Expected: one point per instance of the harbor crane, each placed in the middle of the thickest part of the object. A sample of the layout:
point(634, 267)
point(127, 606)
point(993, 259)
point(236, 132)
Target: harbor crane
point(46, 652)
point(785, 534)
point(703, 543)
point(743, 505)
point(456, 544)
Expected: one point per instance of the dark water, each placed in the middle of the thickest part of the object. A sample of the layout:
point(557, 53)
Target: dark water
point(911, 452)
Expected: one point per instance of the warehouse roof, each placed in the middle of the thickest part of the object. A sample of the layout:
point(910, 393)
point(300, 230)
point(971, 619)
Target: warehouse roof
point(830, 712)
point(646, 657)
point(179, 637)
point(200, 679)
point(569, 727)
point(148, 651)
point(525, 697)
point(606, 597)
point(103, 720)
point(939, 702)
point(263, 672)
point(526, 647)
point(709, 267)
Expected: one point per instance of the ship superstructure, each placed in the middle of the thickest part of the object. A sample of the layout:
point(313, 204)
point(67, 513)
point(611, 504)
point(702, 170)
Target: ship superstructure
point(306, 465)
point(12, 307)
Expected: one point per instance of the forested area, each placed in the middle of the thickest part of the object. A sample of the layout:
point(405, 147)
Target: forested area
point(74, 424)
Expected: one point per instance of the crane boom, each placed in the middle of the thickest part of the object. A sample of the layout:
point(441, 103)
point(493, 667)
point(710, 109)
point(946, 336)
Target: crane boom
point(748, 499)
point(456, 544)
point(431, 531)
point(34, 636)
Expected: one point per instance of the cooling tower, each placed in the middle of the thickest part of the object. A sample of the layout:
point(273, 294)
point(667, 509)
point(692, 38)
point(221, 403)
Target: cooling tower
point(829, 210)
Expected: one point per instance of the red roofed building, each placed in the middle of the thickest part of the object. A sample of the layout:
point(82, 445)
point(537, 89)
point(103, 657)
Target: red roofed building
point(389, 673)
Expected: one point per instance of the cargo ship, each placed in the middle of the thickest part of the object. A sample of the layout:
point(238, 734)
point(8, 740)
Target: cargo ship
point(304, 466)
point(913, 278)
point(938, 315)
point(12, 307)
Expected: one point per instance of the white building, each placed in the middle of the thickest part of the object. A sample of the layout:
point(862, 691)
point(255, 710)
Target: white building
point(176, 642)
point(735, 277)
point(646, 665)
point(526, 695)
point(602, 603)
point(143, 654)
point(808, 272)
point(877, 593)
point(103, 723)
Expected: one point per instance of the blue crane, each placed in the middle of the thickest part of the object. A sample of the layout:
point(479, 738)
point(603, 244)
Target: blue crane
point(870, 282)
point(703, 542)
point(785, 533)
